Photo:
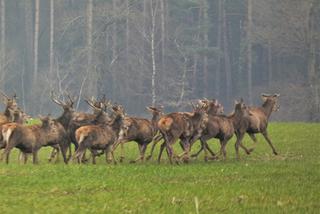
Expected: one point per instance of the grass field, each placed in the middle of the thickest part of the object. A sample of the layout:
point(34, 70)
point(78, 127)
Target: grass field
point(259, 183)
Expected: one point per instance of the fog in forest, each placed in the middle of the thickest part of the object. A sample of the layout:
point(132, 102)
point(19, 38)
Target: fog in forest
point(162, 52)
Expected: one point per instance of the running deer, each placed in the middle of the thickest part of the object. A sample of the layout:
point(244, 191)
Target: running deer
point(258, 118)
point(184, 126)
point(223, 127)
point(140, 130)
point(100, 136)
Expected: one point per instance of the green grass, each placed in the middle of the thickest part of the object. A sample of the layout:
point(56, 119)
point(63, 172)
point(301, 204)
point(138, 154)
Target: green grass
point(259, 183)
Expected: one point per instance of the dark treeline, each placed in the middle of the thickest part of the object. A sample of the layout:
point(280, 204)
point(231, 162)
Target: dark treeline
point(143, 52)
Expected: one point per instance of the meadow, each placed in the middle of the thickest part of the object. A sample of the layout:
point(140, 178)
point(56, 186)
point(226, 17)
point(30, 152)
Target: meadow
point(258, 183)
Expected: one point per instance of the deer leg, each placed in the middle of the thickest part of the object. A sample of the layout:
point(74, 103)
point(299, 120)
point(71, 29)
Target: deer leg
point(63, 145)
point(161, 150)
point(52, 155)
point(57, 153)
point(70, 152)
point(121, 152)
point(93, 156)
point(35, 156)
point(108, 154)
point(140, 151)
point(114, 146)
point(223, 144)
point(170, 152)
point(210, 150)
point(155, 142)
point(25, 158)
point(238, 142)
point(254, 139)
point(144, 148)
point(6, 153)
point(265, 135)
point(186, 148)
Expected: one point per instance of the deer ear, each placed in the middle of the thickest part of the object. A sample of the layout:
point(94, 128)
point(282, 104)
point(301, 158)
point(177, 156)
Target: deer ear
point(276, 95)
point(264, 97)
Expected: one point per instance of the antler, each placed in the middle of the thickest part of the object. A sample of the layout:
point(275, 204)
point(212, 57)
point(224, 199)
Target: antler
point(3, 94)
point(55, 100)
point(90, 103)
point(70, 99)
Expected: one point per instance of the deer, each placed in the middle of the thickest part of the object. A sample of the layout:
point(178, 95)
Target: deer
point(11, 105)
point(140, 130)
point(29, 139)
point(100, 136)
point(214, 107)
point(18, 117)
point(223, 128)
point(257, 121)
point(72, 120)
point(184, 126)
point(12, 113)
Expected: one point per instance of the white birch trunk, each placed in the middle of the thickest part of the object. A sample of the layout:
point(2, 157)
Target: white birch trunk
point(3, 35)
point(51, 36)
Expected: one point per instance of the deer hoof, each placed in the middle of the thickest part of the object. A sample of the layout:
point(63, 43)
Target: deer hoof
point(250, 150)
point(275, 153)
point(194, 155)
point(148, 158)
point(133, 161)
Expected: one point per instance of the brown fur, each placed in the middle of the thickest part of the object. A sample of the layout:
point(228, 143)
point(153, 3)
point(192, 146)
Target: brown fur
point(29, 139)
point(186, 127)
point(257, 120)
point(140, 130)
point(98, 137)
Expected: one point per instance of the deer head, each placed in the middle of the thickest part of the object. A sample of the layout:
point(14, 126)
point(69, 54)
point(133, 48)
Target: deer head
point(272, 99)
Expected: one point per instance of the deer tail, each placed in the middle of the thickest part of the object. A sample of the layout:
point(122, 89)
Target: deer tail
point(7, 133)
point(165, 123)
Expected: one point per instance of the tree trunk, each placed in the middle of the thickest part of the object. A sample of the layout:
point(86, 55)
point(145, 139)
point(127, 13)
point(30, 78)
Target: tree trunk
point(312, 75)
point(206, 45)
point(196, 55)
point(217, 72)
point(3, 36)
point(127, 35)
point(163, 34)
point(51, 36)
point(36, 41)
point(227, 65)
point(153, 9)
point(269, 63)
point(92, 74)
point(249, 51)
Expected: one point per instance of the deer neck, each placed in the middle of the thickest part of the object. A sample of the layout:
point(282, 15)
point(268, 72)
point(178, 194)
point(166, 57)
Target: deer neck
point(267, 107)
point(154, 120)
point(7, 113)
point(64, 119)
point(116, 124)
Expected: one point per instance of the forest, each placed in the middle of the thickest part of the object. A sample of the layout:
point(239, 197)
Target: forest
point(162, 52)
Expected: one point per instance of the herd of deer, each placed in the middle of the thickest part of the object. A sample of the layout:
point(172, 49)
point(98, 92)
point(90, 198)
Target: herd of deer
point(107, 127)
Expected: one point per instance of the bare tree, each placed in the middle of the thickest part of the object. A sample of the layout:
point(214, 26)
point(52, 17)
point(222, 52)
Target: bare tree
point(36, 40)
point(51, 35)
point(3, 35)
point(227, 64)
point(153, 10)
point(218, 65)
point(206, 45)
point(249, 50)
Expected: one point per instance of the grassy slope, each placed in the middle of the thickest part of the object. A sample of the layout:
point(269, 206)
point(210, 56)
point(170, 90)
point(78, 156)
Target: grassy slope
point(259, 183)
